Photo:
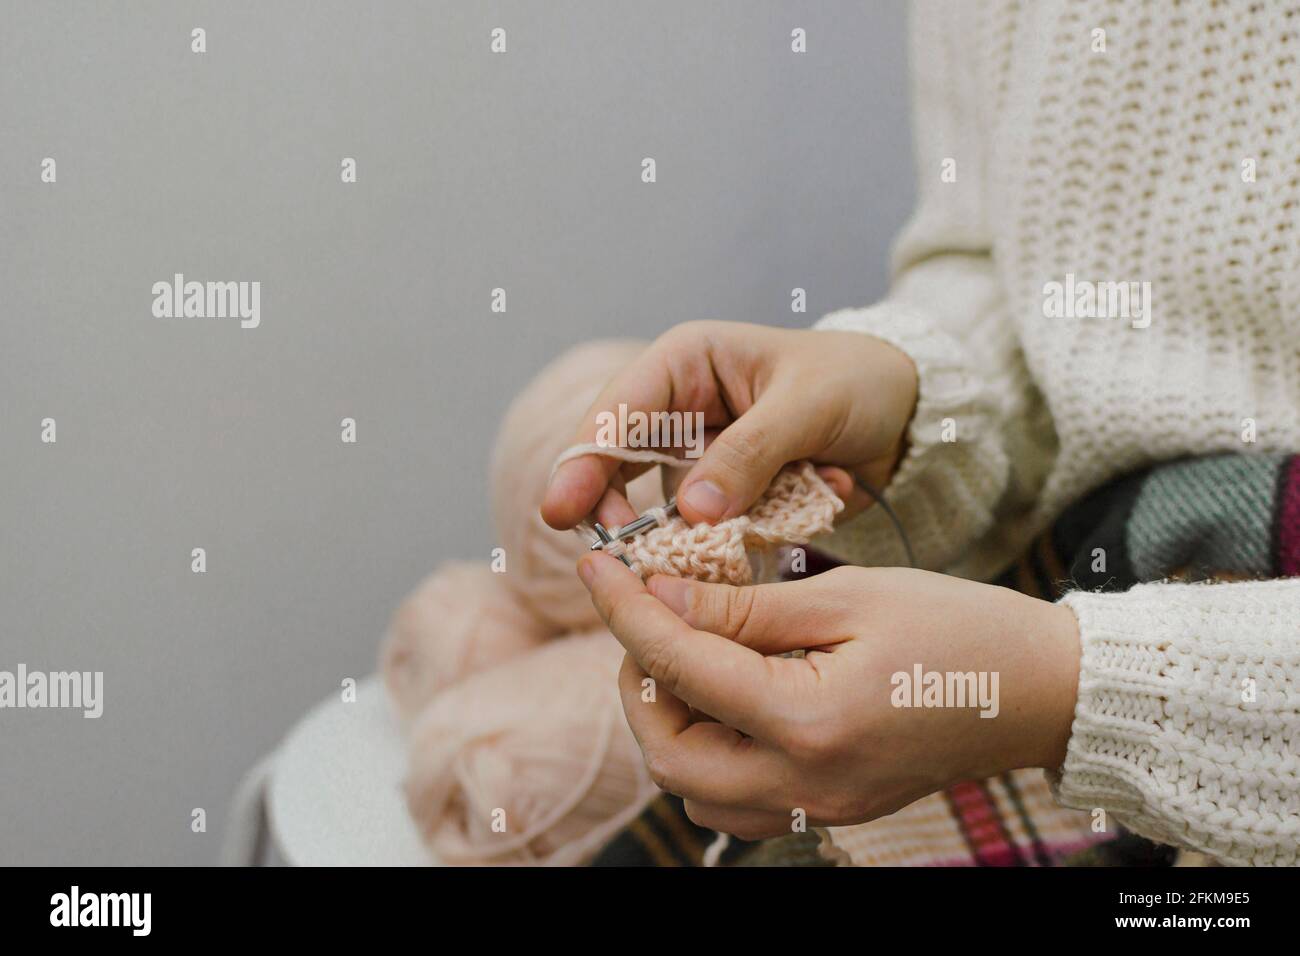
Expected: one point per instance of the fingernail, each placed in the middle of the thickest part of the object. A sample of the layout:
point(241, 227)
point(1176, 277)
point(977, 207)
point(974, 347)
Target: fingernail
point(587, 571)
point(706, 498)
point(672, 591)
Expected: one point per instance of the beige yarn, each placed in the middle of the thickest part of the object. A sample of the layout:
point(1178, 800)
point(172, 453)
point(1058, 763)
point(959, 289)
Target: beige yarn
point(797, 506)
point(541, 559)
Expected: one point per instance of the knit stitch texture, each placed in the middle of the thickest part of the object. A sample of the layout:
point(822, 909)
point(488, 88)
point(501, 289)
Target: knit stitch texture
point(796, 507)
point(1188, 738)
point(1127, 164)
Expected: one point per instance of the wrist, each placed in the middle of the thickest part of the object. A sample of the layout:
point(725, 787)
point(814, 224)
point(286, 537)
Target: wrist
point(1058, 684)
point(892, 400)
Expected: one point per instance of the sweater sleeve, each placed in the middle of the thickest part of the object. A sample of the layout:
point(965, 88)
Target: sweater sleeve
point(1187, 726)
point(945, 310)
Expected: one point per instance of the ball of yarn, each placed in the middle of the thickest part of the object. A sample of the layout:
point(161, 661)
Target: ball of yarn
point(530, 762)
point(462, 619)
point(538, 426)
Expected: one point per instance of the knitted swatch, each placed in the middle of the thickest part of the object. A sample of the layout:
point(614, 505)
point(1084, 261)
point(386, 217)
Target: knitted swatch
point(796, 507)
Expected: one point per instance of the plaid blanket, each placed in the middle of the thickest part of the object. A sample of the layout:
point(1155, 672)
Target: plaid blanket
point(1222, 517)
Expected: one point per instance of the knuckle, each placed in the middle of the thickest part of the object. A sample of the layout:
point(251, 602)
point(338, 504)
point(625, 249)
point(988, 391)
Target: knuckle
point(705, 606)
point(739, 610)
point(738, 451)
point(685, 333)
point(661, 661)
point(811, 742)
point(727, 609)
point(659, 767)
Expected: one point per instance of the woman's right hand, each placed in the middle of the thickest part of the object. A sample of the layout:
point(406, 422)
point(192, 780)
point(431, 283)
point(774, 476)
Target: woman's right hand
point(769, 396)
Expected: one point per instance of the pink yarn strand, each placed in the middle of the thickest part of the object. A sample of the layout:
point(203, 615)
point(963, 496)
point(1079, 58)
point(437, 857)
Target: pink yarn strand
point(639, 455)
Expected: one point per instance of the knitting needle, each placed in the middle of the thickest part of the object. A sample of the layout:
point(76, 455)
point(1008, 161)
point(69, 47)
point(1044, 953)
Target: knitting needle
point(605, 539)
point(632, 528)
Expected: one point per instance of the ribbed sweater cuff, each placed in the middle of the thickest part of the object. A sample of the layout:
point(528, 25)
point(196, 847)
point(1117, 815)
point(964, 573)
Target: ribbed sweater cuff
point(945, 386)
point(1162, 739)
point(947, 487)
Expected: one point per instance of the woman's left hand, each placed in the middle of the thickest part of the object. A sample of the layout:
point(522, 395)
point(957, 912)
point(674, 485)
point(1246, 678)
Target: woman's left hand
point(840, 735)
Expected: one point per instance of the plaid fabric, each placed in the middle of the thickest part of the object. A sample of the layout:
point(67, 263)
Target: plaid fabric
point(663, 835)
point(1215, 517)
point(1010, 820)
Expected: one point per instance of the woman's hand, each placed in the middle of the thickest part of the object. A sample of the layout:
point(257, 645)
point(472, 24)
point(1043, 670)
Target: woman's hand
point(825, 734)
point(770, 396)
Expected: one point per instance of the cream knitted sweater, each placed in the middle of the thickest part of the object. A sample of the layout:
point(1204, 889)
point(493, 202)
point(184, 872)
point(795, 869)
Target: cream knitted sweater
point(1043, 156)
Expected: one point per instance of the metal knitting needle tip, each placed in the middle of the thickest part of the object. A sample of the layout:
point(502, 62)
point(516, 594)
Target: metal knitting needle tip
point(605, 539)
point(644, 523)
point(634, 528)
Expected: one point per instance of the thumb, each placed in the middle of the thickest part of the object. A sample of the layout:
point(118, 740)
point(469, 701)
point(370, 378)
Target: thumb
point(741, 462)
point(767, 618)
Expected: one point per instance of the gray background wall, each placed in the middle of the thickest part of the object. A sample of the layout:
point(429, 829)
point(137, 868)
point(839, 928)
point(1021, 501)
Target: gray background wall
point(475, 170)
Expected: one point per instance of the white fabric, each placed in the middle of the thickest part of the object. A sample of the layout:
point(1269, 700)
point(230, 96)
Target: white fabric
point(335, 798)
point(1117, 166)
